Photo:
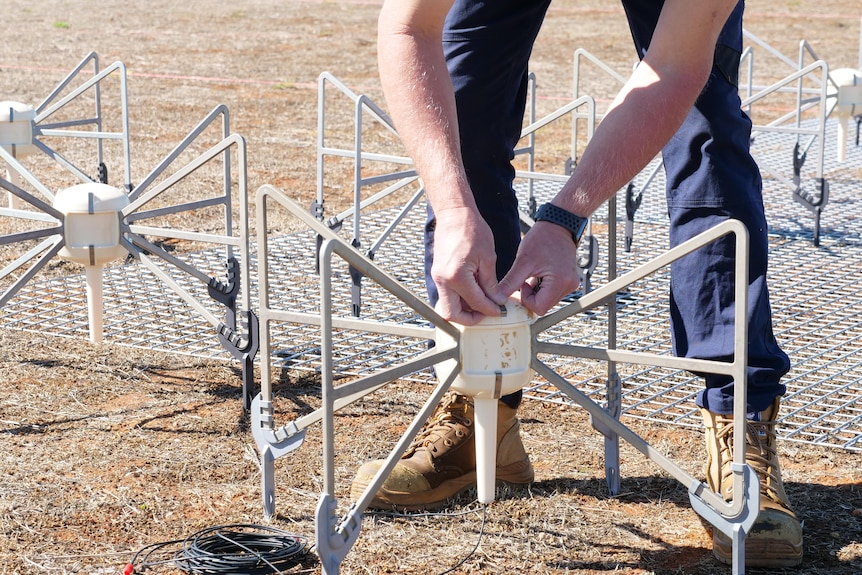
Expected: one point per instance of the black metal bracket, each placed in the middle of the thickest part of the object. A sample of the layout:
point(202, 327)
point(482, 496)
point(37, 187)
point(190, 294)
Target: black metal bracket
point(570, 166)
point(814, 202)
point(244, 348)
point(335, 225)
point(225, 292)
point(632, 204)
point(103, 173)
point(588, 259)
point(798, 160)
point(355, 284)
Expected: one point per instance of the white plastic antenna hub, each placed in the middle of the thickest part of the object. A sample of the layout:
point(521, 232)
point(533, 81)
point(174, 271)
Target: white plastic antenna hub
point(91, 228)
point(92, 223)
point(495, 357)
point(494, 353)
point(849, 102)
point(16, 128)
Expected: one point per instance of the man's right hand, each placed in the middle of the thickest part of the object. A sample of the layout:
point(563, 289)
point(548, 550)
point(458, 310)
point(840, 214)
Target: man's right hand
point(545, 269)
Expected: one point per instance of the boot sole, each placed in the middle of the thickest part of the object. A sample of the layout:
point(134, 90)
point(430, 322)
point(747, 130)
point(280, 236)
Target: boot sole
point(517, 474)
point(760, 552)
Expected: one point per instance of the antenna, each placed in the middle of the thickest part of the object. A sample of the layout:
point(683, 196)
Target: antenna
point(513, 346)
point(93, 224)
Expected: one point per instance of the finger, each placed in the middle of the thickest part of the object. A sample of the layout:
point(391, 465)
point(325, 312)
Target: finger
point(478, 301)
point(543, 300)
point(510, 283)
point(486, 275)
point(456, 310)
point(539, 296)
point(482, 299)
point(531, 300)
point(449, 305)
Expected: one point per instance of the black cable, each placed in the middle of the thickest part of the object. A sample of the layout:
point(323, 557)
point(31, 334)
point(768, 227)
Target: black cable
point(478, 540)
point(411, 514)
point(227, 549)
point(442, 514)
point(223, 549)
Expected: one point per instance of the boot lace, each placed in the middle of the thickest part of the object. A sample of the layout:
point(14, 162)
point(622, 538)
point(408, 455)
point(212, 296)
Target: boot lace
point(453, 413)
point(760, 453)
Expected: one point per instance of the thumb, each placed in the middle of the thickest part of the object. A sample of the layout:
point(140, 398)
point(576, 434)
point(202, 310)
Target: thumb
point(507, 286)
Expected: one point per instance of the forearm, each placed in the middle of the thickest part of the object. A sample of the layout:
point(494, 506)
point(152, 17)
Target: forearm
point(652, 105)
point(642, 118)
point(420, 99)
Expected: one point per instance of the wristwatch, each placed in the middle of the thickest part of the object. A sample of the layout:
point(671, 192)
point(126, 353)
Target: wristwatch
point(564, 218)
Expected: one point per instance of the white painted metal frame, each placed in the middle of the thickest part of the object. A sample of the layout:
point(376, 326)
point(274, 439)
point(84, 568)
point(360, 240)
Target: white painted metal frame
point(336, 536)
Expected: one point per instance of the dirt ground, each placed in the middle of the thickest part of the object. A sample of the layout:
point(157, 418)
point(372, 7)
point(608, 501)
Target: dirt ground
point(107, 449)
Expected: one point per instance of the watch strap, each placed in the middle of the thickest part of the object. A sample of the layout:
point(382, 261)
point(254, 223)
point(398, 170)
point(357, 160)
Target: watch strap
point(557, 215)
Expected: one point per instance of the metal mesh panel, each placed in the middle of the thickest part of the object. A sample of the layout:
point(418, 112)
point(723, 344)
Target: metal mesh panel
point(814, 290)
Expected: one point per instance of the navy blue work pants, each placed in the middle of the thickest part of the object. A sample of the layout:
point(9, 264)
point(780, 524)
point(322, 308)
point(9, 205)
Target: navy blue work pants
point(710, 177)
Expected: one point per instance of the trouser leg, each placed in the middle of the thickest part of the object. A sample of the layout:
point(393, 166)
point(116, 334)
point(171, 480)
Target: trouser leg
point(711, 177)
point(487, 47)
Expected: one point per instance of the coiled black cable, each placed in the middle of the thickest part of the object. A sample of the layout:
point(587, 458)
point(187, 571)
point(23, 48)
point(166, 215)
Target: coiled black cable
point(240, 548)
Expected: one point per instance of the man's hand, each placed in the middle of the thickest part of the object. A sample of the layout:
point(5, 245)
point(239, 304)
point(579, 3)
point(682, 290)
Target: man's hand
point(545, 269)
point(464, 266)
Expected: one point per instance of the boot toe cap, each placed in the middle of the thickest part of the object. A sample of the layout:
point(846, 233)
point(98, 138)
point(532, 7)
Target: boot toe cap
point(775, 540)
point(402, 480)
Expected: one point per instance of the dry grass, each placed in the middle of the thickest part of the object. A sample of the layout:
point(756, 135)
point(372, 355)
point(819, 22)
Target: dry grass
point(107, 449)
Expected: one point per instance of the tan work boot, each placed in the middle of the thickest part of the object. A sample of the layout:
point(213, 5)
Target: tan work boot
point(441, 461)
point(775, 539)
